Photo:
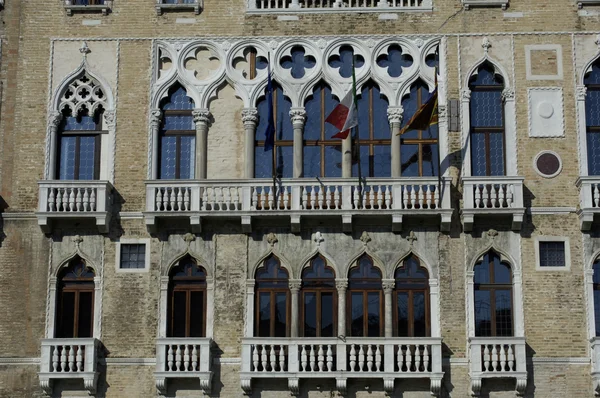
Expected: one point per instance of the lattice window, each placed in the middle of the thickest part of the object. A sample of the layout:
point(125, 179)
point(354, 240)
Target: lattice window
point(592, 118)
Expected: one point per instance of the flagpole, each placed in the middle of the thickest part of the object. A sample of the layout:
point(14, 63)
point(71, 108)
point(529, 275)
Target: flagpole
point(438, 140)
point(356, 146)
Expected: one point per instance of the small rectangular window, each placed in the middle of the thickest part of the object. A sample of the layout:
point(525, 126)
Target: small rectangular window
point(552, 253)
point(132, 255)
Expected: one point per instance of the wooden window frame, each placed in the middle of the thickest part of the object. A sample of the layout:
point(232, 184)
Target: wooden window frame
point(492, 287)
point(420, 141)
point(365, 295)
point(278, 143)
point(272, 295)
point(318, 291)
point(76, 286)
point(487, 131)
point(187, 284)
point(411, 291)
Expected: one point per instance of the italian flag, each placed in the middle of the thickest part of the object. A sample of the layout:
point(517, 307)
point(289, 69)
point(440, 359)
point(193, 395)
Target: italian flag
point(345, 116)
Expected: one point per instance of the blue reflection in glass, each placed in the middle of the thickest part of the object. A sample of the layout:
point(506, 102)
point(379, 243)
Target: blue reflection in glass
point(67, 158)
point(343, 61)
point(486, 109)
point(87, 145)
point(178, 100)
point(382, 161)
point(394, 60)
point(298, 62)
point(168, 157)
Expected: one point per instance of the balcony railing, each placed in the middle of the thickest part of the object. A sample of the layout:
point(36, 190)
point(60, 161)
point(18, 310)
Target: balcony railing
point(296, 198)
point(589, 200)
point(383, 358)
point(338, 5)
point(74, 358)
point(498, 357)
point(595, 351)
point(183, 357)
point(166, 5)
point(74, 200)
point(485, 3)
point(493, 196)
point(103, 6)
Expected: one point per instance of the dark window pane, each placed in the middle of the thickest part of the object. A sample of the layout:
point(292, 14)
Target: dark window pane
point(592, 107)
point(179, 312)
point(597, 310)
point(593, 151)
point(478, 155)
point(178, 122)
point(483, 315)
point(382, 161)
point(486, 108)
point(502, 272)
point(168, 157)
point(178, 100)
point(503, 313)
point(430, 160)
point(312, 161)
point(402, 314)
point(187, 156)
point(67, 315)
point(87, 148)
point(497, 154)
point(280, 314)
point(84, 327)
point(374, 314)
point(482, 271)
point(196, 314)
point(67, 157)
point(264, 315)
point(133, 256)
point(333, 161)
point(327, 315)
point(552, 254)
point(364, 162)
point(409, 158)
point(83, 122)
point(357, 315)
point(419, 315)
point(310, 315)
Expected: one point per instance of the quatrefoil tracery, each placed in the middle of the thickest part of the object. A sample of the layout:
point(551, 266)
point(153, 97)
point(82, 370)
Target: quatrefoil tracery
point(202, 64)
point(83, 93)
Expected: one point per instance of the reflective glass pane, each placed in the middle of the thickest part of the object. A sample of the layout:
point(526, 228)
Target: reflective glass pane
point(364, 162)
point(262, 163)
point(593, 151)
point(478, 154)
point(187, 156)
point(409, 158)
point(333, 161)
point(87, 155)
point(482, 271)
point(283, 123)
point(552, 254)
point(497, 154)
point(483, 315)
point(327, 315)
point(597, 311)
point(280, 314)
point(264, 314)
point(373, 306)
point(284, 161)
point(502, 271)
point(179, 122)
point(503, 313)
point(67, 157)
point(314, 116)
point(592, 107)
point(357, 315)
point(168, 157)
point(178, 100)
point(430, 160)
point(382, 161)
point(402, 314)
point(419, 315)
point(79, 123)
point(312, 161)
point(310, 314)
point(486, 108)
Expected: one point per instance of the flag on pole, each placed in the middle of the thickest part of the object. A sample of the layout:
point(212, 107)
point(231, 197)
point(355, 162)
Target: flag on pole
point(426, 115)
point(345, 116)
point(270, 131)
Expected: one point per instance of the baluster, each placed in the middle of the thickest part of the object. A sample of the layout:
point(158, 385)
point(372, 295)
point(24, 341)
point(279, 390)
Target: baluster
point(356, 197)
point(487, 196)
point(78, 199)
point(178, 358)
point(378, 359)
point(254, 199)
point(486, 358)
point(495, 356)
point(321, 358)
point(264, 197)
point(219, 197)
point(511, 358)
point(271, 199)
point(422, 193)
point(312, 357)
point(227, 198)
point(179, 199)
point(54, 358)
point(65, 200)
point(303, 359)
point(204, 199)
point(426, 359)
point(329, 358)
point(400, 357)
point(255, 358)
point(361, 358)
point(405, 195)
point(59, 206)
point(186, 199)
point(364, 197)
point(186, 358)
point(388, 196)
point(417, 358)
point(173, 200)
point(369, 358)
point(380, 196)
point(313, 198)
point(336, 197)
point(263, 358)
point(477, 196)
point(165, 199)
point(71, 356)
point(236, 198)
point(282, 358)
point(272, 358)
point(321, 204)
point(72, 199)
point(408, 358)
point(502, 199)
point(372, 197)
point(436, 197)
point(502, 358)
point(170, 358)
point(510, 195)
point(286, 198)
point(352, 357)
point(194, 358)
point(86, 200)
point(596, 194)
point(51, 199)
point(158, 200)
point(63, 359)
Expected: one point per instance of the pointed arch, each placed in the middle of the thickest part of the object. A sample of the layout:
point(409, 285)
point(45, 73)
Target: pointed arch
point(271, 252)
point(376, 262)
point(195, 256)
point(83, 69)
point(504, 256)
point(162, 91)
point(400, 262)
point(588, 68)
point(67, 261)
point(497, 66)
point(318, 252)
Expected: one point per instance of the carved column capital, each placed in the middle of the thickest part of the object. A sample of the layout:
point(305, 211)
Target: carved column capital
point(110, 119)
point(54, 119)
point(394, 114)
point(341, 285)
point(581, 93)
point(298, 116)
point(155, 118)
point(388, 285)
point(508, 94)
point(295, 285)
point(201, 116)
point(465, 95)
point(250, 117)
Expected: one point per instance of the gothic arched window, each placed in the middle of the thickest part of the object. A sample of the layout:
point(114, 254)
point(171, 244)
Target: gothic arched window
point(418, 148)
point(177, 137)
point(187, 300)
point(493, 297)
point(411, 297)
point(487, 122)
point(365, 291)
point(592, 118)
point(272, 299)
point(75, 301)
point(596, 283)
point(319, 300)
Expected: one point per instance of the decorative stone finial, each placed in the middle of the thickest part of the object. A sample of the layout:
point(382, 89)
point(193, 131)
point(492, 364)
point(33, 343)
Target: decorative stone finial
point(189, 238)
point(598, 41)
point(492, 233)
point(365, 238)
point(272, 238)
point(411, 238)
point(77, 239)
point(84, 49)
point(485, 44)
point(318, 238)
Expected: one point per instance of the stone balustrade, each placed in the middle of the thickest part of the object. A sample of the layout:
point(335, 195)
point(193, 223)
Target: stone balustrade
point(385, 358)
point(492, 357)
point(103, 6)
point(74, 358)
point(493, 196)
point(77, 200)
point(338, 5)
point(296, 198)
point(589, 200)
point(183, 357)
point(178, 5)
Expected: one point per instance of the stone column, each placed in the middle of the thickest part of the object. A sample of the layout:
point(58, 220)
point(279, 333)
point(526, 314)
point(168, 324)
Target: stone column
point(54, 120)
point(155, 119)
point(347, 157)
point(250, 120)
point(295, 285)
point(201, 119)
point(342, 286)
point(395, 118)
point(298, 116)
point(250, 283)
point(388, 288)
point(163, 304)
